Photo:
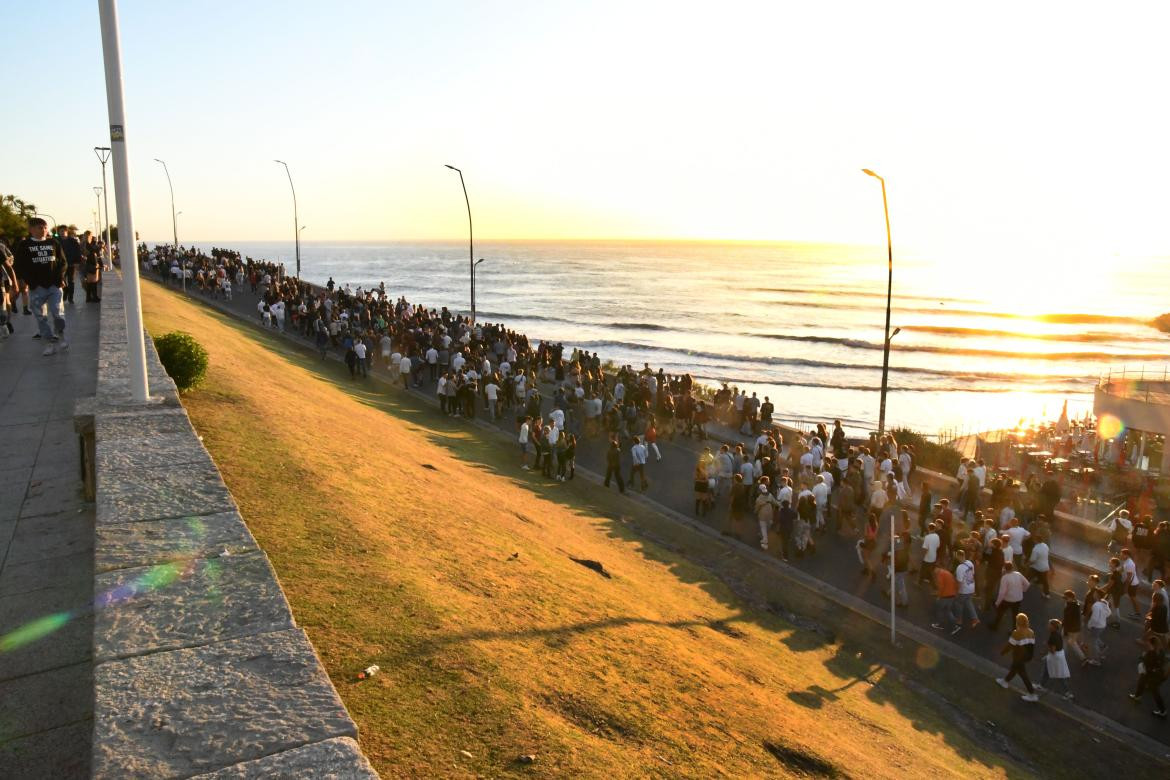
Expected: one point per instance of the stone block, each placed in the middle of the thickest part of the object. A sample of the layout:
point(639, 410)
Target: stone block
point(186, 603)
point(183, 712)
point(333, 759)
point(126, 496)
point(150, 542)
point(134, 453)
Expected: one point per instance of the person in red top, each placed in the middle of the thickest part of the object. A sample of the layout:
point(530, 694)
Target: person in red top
point(946, 588)
point(651, 435)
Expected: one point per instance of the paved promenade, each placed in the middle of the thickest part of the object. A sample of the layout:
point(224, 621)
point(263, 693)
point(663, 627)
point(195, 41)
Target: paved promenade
point(1102, 690)
point(46, 554)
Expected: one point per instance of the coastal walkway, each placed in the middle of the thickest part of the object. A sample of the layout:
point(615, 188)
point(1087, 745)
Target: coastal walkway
point(1099, 690)
point(46, 553)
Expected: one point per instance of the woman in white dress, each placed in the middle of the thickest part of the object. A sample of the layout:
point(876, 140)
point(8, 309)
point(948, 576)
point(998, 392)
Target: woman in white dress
point(1055, 672)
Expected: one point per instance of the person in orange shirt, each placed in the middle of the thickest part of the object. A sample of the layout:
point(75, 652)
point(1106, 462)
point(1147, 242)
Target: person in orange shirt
point(945, 590)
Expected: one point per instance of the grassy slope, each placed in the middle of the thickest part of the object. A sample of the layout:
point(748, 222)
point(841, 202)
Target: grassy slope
point(660, 670)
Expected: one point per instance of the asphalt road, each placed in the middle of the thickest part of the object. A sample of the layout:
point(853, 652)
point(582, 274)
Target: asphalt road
point(1103, 689)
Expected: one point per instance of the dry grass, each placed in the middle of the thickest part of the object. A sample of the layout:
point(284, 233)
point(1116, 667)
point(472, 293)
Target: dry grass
point(396, 540)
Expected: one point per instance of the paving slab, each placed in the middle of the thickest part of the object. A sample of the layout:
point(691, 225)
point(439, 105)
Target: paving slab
point(333, 759)
point(165, 491)
point(67, 571)
point(186, 603)
point(61, 753)
point(150, 542)
point(46, 700)
point(51, 536)
point(52, 496)
point(184, 712)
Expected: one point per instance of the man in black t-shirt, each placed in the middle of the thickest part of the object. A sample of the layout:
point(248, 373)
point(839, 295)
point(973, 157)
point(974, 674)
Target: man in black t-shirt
point(72, 249)
point(41, 267)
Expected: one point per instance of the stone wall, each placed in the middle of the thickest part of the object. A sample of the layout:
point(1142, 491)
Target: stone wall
point(199, 667)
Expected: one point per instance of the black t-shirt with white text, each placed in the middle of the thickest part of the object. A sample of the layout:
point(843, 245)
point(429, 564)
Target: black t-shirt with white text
point(40, 263)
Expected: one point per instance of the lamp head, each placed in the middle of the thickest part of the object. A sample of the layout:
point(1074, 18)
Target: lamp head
point(896, 332)
point(159, 161)
point(282, 162)
point(480, 260)
point(868, 172)
point(452, 167)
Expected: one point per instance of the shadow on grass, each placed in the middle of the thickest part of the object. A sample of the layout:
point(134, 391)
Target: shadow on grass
point(717, 567)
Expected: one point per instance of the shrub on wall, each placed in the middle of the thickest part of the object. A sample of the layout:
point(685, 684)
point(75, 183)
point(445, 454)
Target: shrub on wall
point(183, 357)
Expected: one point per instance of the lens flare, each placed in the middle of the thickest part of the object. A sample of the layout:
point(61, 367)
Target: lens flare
point(153, 579)
point(926, 657)
point(1109, 427)
point(34, 630)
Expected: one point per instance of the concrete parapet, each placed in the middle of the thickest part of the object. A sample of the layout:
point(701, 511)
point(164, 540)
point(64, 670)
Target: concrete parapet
point(199, 668)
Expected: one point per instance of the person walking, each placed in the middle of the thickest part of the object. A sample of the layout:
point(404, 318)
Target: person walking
point(786, 520)
point(638, 466)
point(1097, 623)
point(1022, 647)
point(1055, 663)
point(41, 266)
point(1151, 674)
point(765, 506)
point(613, 465)
point(702, 489)
point(930, 547)
point(1011, 594)
point(1070, 625)
point(945, 590)
point(965, 597)
point(1039, 569)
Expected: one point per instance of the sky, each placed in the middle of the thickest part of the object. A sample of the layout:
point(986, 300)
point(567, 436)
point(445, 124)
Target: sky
point(1008, 133)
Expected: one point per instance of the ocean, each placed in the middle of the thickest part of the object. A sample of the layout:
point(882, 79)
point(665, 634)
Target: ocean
point(799, 323)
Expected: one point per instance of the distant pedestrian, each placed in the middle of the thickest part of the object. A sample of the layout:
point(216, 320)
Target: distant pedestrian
point(613, 465)
point(1011, 593)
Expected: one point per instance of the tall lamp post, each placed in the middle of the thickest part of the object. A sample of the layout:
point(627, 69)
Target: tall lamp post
point(97, 194)
point(135, 337)
point(473, 267)
point(885, 379)
point(174, 216)
point(296, 219)
point(103, 155)
point(470, 240)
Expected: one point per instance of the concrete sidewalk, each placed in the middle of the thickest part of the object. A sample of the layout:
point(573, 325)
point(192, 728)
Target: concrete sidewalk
point(46, 553)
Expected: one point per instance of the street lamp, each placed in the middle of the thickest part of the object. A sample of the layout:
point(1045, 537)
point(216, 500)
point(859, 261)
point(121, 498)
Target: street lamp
point(470, 240)
point(885, 378)
point(52, 220)
point(174, 216)
point(103, 155)
point(97, 194)
point(296, 219)
point(473, 267)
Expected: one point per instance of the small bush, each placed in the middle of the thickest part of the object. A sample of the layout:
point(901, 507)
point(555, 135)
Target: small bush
point(183, 357)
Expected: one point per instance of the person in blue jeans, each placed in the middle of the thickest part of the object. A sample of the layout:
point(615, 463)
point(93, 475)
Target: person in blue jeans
point(41, 266)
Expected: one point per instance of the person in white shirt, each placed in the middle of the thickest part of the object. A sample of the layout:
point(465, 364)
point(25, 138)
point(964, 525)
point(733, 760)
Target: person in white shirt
point(492, 392)
point(747, 471)
point(404, 371)
point(505, 369)
point(432, 358)
point(1038, 566)
point(638, 455)
point(524, 445)
point(1012, 586)
point(458, 361)
point(1096, 626)
point(965, 600)
point(930, 545)
point(395, 365)
point(785, 491)
point(1131, 580)
point(1017, 534)
point(726, 468)
point(820, 494)
point(557, 416)
point(441, 392)
point(387, 348)
point(359, 348)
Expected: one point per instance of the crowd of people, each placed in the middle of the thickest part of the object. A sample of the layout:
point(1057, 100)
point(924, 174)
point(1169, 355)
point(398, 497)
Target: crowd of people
point(978, 561)
point(40, 275)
